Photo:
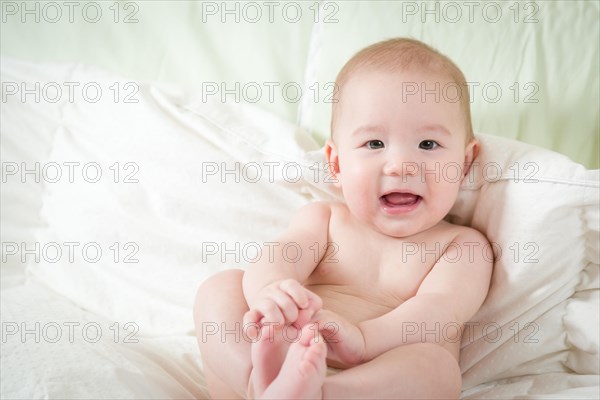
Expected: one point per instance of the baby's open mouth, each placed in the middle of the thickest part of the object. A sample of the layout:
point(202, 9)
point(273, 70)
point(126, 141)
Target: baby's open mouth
point(399, 199)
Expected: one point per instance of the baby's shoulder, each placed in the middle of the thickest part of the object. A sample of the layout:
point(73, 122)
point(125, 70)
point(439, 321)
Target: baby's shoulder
point(311, 213)
point(321, 214)
point(462, 234)
point(323, 209)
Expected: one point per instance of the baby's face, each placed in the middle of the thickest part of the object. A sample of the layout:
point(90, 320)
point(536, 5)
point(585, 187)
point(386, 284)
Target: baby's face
point(399, 158)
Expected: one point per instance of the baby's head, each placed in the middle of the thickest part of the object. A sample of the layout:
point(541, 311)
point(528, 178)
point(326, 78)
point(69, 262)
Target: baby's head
point(401, 136)
point(403, 54)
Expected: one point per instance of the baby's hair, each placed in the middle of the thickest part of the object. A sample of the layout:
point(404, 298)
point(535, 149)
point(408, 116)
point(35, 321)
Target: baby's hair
point(401, 54)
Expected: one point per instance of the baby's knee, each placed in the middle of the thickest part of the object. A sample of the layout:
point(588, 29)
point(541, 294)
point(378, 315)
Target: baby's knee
point(443, 367)
point(224, 283)
point(217, 283)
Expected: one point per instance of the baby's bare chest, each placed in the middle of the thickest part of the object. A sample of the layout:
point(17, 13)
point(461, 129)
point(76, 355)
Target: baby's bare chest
point(364, 277)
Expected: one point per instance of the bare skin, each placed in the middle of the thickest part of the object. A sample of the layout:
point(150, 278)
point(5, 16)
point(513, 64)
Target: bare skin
point(300, 371)
point(430, 368)
point(379, 286)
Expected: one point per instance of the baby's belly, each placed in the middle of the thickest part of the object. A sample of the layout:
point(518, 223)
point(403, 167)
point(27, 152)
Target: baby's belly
point(355, 305)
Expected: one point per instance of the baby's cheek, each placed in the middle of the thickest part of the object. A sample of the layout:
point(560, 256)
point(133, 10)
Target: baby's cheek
point(359, 200)
point(446, 197)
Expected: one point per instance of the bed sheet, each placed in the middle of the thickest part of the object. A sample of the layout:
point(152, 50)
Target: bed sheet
point(54, 349)
point(128, 365)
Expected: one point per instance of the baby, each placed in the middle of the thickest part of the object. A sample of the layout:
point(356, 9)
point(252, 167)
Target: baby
point(386, 303)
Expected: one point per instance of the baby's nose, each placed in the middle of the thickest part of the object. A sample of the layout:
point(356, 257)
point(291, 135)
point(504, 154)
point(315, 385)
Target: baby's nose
point(399, 166)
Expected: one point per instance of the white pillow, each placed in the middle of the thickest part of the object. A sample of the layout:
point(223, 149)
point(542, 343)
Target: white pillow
point(164, 222)
point(173, 212)
point(540, 212)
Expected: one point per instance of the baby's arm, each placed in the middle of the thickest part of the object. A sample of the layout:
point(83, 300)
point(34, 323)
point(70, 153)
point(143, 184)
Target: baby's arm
point(273, 286)
point(451, 294)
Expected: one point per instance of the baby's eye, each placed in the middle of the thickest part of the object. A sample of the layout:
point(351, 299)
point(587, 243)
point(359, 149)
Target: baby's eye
point(375, 144)
point(428, 145)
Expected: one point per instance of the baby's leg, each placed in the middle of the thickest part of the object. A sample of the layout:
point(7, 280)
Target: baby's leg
point(416, 371)
point(420, 370)
point(218, 311)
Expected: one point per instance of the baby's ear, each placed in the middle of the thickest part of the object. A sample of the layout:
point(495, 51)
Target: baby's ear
point(333, 164)
point(471, 152)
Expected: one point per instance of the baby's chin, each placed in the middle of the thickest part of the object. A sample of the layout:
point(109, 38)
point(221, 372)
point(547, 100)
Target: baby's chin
point(397, 227)
point(397, 232)
point(402, 229)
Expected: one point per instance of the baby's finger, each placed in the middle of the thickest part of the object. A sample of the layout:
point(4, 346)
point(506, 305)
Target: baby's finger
point(324, 319)
point(252, 317)
point(270, 310)
point(252, 323)
point(286, 305)
point(315, 302)
point(304, 316)
point(296, 291)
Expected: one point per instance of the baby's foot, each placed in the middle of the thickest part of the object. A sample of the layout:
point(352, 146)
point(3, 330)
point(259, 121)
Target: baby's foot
point(268, 354)
point(302, 373)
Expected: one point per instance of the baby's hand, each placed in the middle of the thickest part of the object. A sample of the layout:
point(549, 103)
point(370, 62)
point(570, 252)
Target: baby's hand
point(283, 302)
point(345, 341)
